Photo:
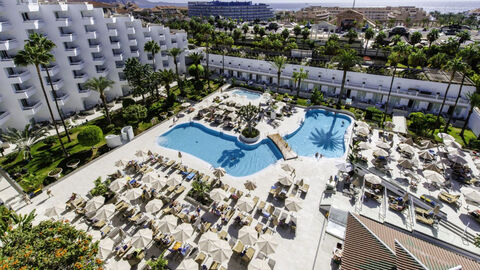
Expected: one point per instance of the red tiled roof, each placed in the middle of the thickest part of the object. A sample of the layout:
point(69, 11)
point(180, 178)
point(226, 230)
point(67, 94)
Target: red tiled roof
point(367, 240)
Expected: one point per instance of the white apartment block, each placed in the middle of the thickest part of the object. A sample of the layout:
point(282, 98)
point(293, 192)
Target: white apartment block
point(90, 42)
point(364, 89)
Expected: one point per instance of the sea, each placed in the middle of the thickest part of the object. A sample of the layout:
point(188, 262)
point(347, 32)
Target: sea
point(442, 6)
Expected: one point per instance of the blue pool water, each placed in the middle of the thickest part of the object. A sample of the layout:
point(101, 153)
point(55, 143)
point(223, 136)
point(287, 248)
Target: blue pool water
point(322, 132)
point(221, 150)
point(248, 94)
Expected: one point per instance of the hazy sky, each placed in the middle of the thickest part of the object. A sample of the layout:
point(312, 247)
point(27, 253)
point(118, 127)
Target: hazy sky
point(319, 2)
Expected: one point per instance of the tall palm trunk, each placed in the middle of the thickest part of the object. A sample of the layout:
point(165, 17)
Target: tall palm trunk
point(207, 71)
point(155, 70)
point(344, 77)
point(298, 87)
point(179, 82)
point(279, 73)
point(456, 102)
point(37, 67)
point(223, 63)
point(366, 45)
point(443, 102)
point(56, 104)
point(466, 121)
point(104, 101)
point(388, 97)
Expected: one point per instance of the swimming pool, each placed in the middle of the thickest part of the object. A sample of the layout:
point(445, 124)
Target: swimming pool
point(221, 150)
point(321, 131)
point(248, 94)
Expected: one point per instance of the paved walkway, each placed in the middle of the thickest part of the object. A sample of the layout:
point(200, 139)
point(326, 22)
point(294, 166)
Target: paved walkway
point(400, 124)
point(309, 219)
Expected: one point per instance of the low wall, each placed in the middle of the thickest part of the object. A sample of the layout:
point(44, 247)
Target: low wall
point(474, 122)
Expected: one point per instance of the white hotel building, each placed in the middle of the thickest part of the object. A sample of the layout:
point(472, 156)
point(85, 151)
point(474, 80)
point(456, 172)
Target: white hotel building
point(364, 89)
point(90, 42)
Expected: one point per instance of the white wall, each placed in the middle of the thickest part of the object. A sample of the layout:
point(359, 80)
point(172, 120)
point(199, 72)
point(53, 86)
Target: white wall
point(80, 18)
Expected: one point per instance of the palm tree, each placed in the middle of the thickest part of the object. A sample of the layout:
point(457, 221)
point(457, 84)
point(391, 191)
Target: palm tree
point(166, 78)
point(453, 66)
point(394, 59)
point(175, 52)
point(153, 48)
point(404, 50)
point(432, 36)
point(379, 41)
point(48, 45)
point(279, 62)
point(369, 34)
point(24, 139)
point(207, 31)
point(347, 59)
point(248, 114)
point(34, 54)
point(415, 38)
point(351, 35)
point(474, 100)
point(469, 54)
point(100, 84)
point(462, 37)
point(299, 76)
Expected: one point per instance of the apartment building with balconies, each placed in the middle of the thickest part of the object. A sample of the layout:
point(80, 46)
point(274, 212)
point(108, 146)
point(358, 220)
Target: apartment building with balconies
point(89, 43)
point(361, 89)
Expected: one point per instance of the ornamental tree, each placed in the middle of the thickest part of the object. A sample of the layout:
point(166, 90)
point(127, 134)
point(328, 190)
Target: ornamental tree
point(248, 114)
point(90, 136)
point(48, 245)
point(134, 113)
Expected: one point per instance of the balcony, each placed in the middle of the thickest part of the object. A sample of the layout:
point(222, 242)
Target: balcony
point(77, 65)
point(85, 93)
point(33, 24)
point(163, 47)
point(130, 30)
point(72, 51)
point(68, 37)
point(120, 65)
point(28, 5)
point(118, 57)
point(8, 44)
point(5, 26)
point(132, 42)
point(91, 34)
point(112, 32)
point(96, 48)
point(111, 19)
point(115, 45)
point(62, 99)
point(63, 22)
point(4, 116)
point(52, 70)
point(161, 38)
point(99, 60)
point(148, 38)
point(57, 84)
point(81, 78)
point(135, 53)
point(88, 20)
point(7, 62)
point(25, 93)
point(32, 109)
point(102, 72)
point(19, 77)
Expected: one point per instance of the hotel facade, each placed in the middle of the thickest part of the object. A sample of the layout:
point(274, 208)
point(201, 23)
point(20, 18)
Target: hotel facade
point(234, 10)
point(90, 42)
point(363, 89)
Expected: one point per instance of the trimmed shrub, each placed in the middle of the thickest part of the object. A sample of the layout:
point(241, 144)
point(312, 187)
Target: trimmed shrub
point(134, 113)
point(90, 136)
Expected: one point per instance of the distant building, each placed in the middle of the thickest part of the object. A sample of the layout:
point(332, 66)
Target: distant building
point(381, 14)
point(235, 10)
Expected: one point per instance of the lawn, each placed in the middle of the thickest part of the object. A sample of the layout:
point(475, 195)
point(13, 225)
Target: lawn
point(33, 174)
point(455, 132)
point(48, 157)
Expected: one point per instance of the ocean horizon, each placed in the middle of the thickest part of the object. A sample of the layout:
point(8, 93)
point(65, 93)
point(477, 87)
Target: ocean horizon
point(429, 6)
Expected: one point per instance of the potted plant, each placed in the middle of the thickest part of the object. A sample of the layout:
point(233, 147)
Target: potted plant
point(248, 113)
point(55, 173)
point(73, 163)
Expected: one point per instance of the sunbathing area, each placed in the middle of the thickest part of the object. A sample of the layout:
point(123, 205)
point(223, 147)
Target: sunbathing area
point(218, 213)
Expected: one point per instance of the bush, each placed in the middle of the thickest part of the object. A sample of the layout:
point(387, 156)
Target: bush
point(127, 102)
point(317, 97)
point(253, 134)
point(155, 108)
point(374, 114)
point(49, 141)
point(134, 113)
point(474, 144)
point(101, 188)
point(90, 136)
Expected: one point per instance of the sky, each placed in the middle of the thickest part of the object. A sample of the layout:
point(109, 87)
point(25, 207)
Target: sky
point(358, 2)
